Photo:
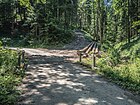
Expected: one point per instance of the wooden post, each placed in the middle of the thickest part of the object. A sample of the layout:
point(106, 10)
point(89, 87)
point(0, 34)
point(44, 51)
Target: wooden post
point(80, 58)
point(23, 60)
point(93, 61)
point(19, 58)
point(23, 56)
point(94, 58)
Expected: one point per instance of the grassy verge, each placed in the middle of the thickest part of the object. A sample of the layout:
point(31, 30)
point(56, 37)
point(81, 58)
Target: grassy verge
point(121, 65)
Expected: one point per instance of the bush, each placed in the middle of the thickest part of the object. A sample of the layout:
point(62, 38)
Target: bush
point(0, 44)
point(9, 77)
point(126, 75)
point(49, 35)
point(58, 35)
point(8, 61)
point(120, 64)
point(8, 93)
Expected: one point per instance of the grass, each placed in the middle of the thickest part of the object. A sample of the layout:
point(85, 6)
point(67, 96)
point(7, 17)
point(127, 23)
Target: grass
point(122, 68)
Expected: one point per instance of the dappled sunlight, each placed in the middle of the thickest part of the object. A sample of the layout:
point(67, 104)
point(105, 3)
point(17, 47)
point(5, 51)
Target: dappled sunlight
point(54, 80)
point(62, 103)
point(53, 50)
point(97, 81)
point(120, 98)
point(87, 101)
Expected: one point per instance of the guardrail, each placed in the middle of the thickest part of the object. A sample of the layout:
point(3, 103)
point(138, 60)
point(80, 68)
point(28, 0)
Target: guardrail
point(92, 49)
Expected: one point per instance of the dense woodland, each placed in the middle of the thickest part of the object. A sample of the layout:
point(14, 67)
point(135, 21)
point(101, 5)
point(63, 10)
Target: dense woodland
point(115, 24)
point(50, 20)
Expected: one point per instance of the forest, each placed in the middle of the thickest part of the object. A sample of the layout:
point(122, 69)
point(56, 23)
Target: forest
point(114, 24)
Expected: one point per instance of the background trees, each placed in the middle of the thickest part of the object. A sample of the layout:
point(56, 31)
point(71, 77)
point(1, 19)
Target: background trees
point(113, 20)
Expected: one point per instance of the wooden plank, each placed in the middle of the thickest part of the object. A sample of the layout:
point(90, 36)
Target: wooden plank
point(86, 48)
point(90, 48)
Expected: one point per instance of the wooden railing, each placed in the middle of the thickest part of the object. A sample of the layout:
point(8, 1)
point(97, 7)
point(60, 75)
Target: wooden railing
point(92, 49)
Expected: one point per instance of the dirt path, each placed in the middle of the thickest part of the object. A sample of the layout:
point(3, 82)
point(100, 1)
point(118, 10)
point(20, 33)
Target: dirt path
point(53, 79)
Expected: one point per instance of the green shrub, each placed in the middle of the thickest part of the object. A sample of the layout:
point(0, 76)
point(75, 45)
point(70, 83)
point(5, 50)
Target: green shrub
point(0, 44)
point(8, 93)
point(10, 77)
point(58, 35)
point(121, 64)
point(8, 60)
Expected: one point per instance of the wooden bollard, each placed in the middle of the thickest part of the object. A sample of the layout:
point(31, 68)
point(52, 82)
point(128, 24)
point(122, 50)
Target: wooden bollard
point(23, 56)
point(93, 61)
point(80, 58)
point(19, 58)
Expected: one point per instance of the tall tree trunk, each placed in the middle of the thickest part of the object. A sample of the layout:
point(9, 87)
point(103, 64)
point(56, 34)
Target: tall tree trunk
point(128, 25)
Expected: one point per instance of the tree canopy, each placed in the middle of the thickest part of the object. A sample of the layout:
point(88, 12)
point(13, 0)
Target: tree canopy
point(103, 19)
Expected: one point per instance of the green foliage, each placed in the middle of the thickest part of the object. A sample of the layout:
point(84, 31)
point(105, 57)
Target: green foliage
point(113, 54)
point(125, 75)
point(126, 71)
point(87, 35)
point(8, 61)
point(10, 77)
point(51, 35)
point(130, 50)
point(57, 35)
point(120, 63)
point(0, 44)
point(8, 93)
point(5, 41)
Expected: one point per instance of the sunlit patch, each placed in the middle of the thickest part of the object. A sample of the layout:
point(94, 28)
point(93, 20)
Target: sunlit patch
point(70, 87)
point(60, 66)
point(71, 74)
point(43, 68)
point(45, 98)
point(28, 101)
point(97, 81)
point(120, 98)
point(57, 90)
point(34, 67)
point(104, 101)
point(78, 90)
point(44, 65)
point(75, 88)
point(61, 104)
point(87, 101)
point(37, 79)
point(37, 93)
point(83, 74)
point(32, 81)
point(64, 74)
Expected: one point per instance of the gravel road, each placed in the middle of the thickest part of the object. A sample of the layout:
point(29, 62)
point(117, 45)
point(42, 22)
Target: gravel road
point(53, 79)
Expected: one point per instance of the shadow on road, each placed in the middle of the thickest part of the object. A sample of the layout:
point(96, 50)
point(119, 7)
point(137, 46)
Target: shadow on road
point(55, 80)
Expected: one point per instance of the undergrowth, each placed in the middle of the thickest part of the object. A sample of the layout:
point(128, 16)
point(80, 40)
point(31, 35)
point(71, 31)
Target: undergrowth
point(120, 63)
point(10, 76)
point(53, 37)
